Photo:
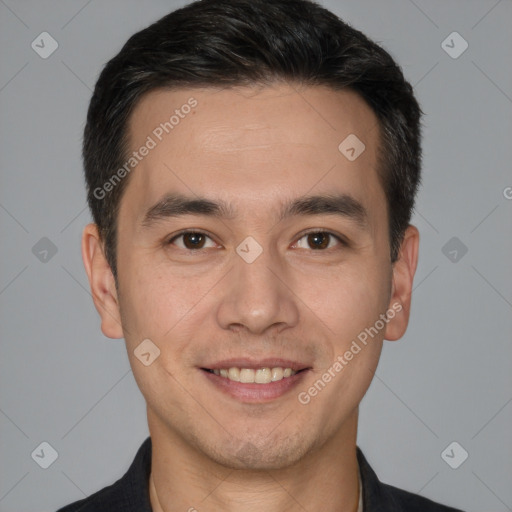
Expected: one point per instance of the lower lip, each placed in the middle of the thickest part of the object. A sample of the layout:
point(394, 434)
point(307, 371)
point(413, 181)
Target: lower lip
point(255, 393)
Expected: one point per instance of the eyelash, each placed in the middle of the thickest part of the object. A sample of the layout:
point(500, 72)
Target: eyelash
point(339, 238)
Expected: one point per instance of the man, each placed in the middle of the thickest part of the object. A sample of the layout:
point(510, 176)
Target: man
point(251, 170)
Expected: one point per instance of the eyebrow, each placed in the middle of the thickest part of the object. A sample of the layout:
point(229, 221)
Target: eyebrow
point(176, 205)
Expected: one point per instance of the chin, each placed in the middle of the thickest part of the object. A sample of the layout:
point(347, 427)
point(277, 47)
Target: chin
point(258, 455)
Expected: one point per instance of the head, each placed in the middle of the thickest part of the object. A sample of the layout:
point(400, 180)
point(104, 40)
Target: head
point(227, 118)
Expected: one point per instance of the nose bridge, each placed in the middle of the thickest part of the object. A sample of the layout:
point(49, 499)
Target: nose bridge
point(253, 270)
point(255, 297)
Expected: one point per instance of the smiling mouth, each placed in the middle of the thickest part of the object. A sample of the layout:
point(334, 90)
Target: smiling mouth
point(254, 376)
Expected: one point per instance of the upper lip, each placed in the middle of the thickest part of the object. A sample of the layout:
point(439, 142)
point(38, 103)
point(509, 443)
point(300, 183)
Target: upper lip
point(256, 364)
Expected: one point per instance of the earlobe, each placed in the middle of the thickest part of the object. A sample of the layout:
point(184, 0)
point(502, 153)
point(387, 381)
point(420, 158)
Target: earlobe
point(102, 283)
point(404, 269)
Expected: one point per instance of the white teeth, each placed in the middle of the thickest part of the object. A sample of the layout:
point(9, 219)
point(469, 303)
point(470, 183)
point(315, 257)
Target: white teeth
point(247, 375)
point(277, 374)
point(259, 376)
point(263, 376)
point(234, 374)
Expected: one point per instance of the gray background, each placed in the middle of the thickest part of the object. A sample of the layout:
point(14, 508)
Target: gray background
point(447, 380)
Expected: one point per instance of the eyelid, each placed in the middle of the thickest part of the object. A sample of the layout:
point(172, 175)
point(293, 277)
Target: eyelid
point(186, 231)
point(340, 238)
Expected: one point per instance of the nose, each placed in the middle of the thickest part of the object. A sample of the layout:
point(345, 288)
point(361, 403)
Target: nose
point(258, 296)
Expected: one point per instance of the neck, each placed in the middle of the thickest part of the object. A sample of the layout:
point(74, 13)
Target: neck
point(184, 479)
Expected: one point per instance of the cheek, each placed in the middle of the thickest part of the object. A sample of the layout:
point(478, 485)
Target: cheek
point(155, 307)
point(159, 304)
point(349, 300)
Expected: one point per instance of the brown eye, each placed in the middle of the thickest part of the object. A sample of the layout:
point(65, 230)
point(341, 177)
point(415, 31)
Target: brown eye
point(318, 240)
point(191, 240)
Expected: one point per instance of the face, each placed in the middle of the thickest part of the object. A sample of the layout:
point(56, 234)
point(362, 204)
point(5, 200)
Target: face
point(285, 261)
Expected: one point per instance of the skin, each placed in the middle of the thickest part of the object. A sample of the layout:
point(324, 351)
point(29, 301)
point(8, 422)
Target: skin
point(256, 148)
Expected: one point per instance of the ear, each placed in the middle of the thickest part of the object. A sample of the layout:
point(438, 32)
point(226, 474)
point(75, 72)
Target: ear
point(404, 269)
point(101, 281)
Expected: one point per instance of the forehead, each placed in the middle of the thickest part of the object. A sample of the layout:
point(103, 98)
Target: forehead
point(252, 144)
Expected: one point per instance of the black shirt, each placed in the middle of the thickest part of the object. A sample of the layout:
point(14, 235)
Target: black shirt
point(131, 492)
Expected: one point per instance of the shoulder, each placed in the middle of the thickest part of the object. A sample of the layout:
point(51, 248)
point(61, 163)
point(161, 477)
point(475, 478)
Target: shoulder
point(407, 501)
point(380, 497)
point(129, 493)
